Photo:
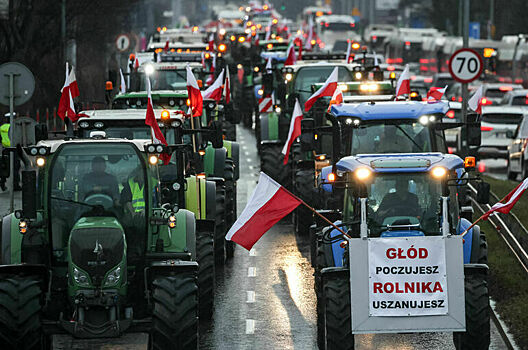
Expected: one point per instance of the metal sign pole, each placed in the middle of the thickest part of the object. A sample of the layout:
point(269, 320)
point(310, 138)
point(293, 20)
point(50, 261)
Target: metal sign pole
point(465, 94)
point(11, 138)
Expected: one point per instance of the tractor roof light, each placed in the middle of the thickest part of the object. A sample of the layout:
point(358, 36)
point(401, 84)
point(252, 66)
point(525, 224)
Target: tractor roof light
point(392, 75)
point(241, 39)
point(331, 177)
point(289, 76)
point(222, 47)
point(41, 161)
point(358, 75)
point(424, 119)
point(362, 173)
point(470, 163)
point(153, 159)
point(355, 46)
point(165, 115)
point(321, 157)
point(439, 172)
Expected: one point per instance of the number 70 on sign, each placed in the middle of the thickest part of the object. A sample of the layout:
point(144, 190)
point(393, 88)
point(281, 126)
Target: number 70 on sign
point(465, 65)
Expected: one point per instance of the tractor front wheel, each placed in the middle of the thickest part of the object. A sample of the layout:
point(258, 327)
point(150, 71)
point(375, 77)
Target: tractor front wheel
point(175, 314)
point(338, 330)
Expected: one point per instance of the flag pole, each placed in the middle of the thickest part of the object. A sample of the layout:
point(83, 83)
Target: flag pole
point(318, 214)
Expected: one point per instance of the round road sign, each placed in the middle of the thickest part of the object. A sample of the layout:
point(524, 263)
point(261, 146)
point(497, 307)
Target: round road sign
point(122, 42)
point(465, 65)
point(24, 83)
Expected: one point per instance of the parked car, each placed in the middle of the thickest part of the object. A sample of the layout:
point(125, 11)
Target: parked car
point(497, 128)
point(516, 98)
point(518, 151)
point(492, 93)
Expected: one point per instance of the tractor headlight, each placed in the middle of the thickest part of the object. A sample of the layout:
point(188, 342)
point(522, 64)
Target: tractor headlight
point(80, 277)
point(439, 172)
point(113, 277)
point(363, 173)
point(289, 76)
point(172, 221)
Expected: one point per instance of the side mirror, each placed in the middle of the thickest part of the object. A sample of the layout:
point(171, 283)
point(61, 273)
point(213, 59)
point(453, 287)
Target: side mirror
point(4, 166)
point(483, 192)
point(216, 135)
point(307, 135)
point(510, 134)
point(29, 194)
point(474, 134)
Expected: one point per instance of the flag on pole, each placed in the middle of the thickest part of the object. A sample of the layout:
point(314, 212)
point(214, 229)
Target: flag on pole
point(435, 93)
point(337, 98)
point(295, 130)
point(193, 91)
point(269, 203)
point(150, 120)
point(509, 201)
point(349, 47)
point(308, 43)
point(404, 82)
point(290, 54)
point(69, 91)
point(74, 88)
point(227, 86)
point(122, 87)
point(166, 48)
point(210, 46)
point(475, 102)
point(214, 92)
point(326, 90)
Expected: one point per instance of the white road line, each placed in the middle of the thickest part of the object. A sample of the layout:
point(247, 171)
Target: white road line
point(246, 153)
point(250, 326)
point(252, 252)
point(252, 272)
point(250, 296)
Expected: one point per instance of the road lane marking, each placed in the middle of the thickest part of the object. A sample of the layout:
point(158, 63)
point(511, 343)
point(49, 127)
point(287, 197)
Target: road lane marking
point(252, 272)
point(250, 326)
point(250, 296)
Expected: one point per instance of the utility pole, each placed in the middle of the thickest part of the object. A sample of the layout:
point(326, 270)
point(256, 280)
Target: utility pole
point(465, 93)
point(460, 16)
point(63, 28)
point(491, 18)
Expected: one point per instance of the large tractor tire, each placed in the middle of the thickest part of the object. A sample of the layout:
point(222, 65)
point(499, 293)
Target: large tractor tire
point(477, 334)
point(220, 226)
point(271, 164)
point(20, 311)
point(206, 274)
point(175, 314)
point(338, 330)
point(304, 188)
point(231, 199)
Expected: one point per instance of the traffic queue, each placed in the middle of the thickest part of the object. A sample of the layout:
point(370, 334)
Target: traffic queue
point(130, 212)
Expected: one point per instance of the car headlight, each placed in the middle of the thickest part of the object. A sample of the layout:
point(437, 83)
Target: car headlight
point(80, 277)
point(113, 277)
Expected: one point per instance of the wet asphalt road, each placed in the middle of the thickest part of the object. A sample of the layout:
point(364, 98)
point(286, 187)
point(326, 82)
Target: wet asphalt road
point(265, 298)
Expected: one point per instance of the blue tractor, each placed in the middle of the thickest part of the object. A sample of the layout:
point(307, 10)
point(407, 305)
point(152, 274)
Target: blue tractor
point(407, 196)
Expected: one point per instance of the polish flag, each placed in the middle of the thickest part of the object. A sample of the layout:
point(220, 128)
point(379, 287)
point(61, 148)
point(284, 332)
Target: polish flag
point(210, 79)
point(214, 92)
point(349, 48)
point(69, 91)
point(74, 88)
point(308, 43)
point(227, 87)
point(507, 203)
point(337, 98)
point(299, 53)
point(290, 55)
point(269, 203)
point(136, 64)
point(122, 87)
point(150, 120)
point(295, 130)
point(404, 82)
point(166, 48)
point(327, 89)
point(193, 91)
point(435, 93)
point(475, 102)
point(210, 46)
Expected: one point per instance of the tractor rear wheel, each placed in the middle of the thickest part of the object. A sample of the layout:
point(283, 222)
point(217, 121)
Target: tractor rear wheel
point(271, 164)
point(477, 334)
point(175, 314)
point(220, 225)
point(20, 310)
point(338, 331)
point(206, 274)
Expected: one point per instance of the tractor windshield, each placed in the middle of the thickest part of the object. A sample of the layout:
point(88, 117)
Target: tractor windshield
point(397, 137)
point(410, 200)
point(96, 179)
point(307, 76)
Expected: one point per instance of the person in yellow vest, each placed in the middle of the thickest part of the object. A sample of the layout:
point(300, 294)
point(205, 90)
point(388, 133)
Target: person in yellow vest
point(133, 193)
point(6, 143)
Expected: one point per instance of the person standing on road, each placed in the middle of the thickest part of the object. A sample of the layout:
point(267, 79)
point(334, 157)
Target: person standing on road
point(6, 137)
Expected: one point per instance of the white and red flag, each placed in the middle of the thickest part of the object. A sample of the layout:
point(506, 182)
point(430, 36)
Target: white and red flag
point(309, 38)
point(507, 203)
point(475, 102)
point(227, 86)
point(193, 91)
point(349, 48)
point(326, 90)
point(269, 203)
point(294, 132)
point(210, 46)
point(136, 64)
point(436, 93)
point(337, 98)
point(290, 55)
point(150, 120)
point(210, 79)
point(74, 88)
point(166, 48)
point(69, 91)
point(214, 92)
point(404, 82)
point(122, 86)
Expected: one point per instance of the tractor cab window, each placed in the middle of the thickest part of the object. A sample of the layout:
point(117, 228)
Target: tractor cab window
point(95, 180)
point(139, 132)
point(401, 137)
point(307, 76)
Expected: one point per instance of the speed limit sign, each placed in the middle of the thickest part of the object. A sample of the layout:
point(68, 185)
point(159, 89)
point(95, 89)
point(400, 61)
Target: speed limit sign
point(465, 65)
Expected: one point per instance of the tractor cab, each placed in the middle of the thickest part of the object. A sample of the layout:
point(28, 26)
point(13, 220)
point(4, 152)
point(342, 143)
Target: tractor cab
point(169, 74)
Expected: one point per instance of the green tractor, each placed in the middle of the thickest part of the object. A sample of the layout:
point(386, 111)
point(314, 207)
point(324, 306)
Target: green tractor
point(95, 254)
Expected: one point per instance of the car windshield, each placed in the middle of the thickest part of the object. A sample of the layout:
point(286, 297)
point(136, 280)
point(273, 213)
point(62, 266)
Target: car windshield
point(520, 101)
point(89, 177)
point(404, 137)
point(166, 80)
point(411, 200)
point(307, 76)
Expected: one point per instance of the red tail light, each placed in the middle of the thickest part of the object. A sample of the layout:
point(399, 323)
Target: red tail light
point(485, 101)
point(374, 37)
point(486, 128)
point(450, 114)
point(407, 43)
point(428, 80)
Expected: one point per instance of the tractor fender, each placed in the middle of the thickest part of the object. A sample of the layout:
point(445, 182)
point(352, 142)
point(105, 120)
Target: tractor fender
point(200, 197)
point(324, 178)
point(41, 271)
point(214, 160)
point(469, 239)
point(11, 241)
point(269, 126)
point(334, 252)
point(167, 268)
point(475, 269)
point(233, 152)
point(182, 238)
point(335, 272)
